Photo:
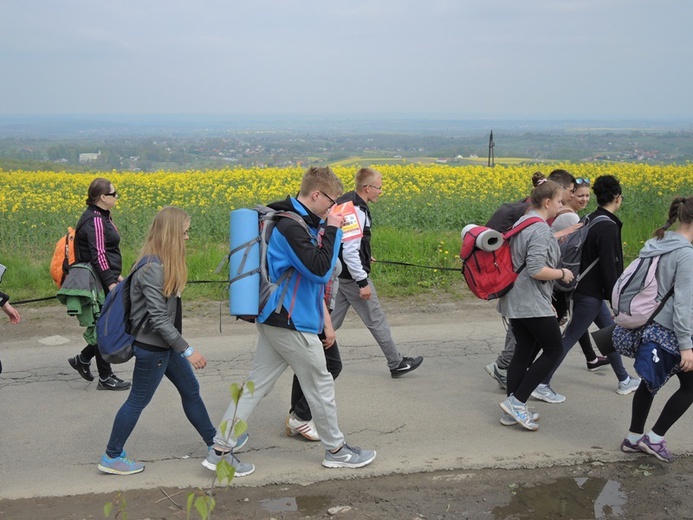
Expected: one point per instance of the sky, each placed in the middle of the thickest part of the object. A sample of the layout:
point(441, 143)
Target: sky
point(545, 59)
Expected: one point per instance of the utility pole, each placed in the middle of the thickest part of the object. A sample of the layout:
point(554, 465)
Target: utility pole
point(491, 156)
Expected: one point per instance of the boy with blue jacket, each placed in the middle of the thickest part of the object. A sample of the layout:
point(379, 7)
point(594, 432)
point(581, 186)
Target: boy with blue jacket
point(290, 337)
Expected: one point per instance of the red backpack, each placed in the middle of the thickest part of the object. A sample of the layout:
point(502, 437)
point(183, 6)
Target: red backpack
point(489, 273)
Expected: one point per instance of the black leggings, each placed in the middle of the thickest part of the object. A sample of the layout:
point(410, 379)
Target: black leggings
point(561, 303)
point(533, 335)
point(674, 408)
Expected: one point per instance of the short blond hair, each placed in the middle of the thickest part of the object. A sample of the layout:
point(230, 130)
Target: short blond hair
point(365, 176)
point(320, 178)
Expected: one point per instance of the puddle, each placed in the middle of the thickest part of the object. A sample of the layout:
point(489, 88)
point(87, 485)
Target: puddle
point(566, 498)
point(308, 505)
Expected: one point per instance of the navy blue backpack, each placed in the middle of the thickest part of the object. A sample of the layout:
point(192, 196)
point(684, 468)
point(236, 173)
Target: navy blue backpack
point(113, 332)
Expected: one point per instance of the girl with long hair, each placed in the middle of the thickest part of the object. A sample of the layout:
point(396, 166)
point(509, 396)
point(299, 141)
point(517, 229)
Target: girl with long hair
point(159, 277)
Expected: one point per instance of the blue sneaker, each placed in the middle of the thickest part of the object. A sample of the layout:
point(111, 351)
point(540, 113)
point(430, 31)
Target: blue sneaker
point(241, 441)
point(120, 465)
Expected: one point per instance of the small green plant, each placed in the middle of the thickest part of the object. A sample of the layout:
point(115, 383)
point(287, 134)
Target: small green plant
point(203, 500)
point(119, 504)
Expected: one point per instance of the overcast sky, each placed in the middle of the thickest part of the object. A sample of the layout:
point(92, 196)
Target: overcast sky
point(455, 58)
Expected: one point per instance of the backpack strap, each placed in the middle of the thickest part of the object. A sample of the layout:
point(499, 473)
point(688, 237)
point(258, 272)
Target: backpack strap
point(520, 227)
point(590, 223)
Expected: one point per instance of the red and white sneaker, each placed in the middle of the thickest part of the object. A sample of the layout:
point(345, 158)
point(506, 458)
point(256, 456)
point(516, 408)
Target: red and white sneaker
point(296, 427)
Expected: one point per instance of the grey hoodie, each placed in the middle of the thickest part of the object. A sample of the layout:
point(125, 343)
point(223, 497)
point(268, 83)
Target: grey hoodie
point(675, 266)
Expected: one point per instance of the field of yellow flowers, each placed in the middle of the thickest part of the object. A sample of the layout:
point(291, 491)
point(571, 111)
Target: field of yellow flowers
point(417, 219)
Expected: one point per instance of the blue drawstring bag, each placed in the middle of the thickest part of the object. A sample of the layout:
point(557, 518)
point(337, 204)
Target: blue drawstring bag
point(656, 364)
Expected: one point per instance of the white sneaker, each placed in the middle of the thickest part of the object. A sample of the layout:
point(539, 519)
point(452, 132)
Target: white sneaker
point(508, 420)
point(518, 411)
point(628, 386)
point(546, 393)
point(296, 426)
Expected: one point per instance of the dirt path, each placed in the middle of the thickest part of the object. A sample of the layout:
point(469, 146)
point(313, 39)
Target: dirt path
point(547, 480)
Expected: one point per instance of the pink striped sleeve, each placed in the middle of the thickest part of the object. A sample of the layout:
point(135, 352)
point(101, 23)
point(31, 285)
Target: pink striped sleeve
point(100, 234)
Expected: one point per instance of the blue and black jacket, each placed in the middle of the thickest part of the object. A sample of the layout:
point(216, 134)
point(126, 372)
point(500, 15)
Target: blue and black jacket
point(290, 246)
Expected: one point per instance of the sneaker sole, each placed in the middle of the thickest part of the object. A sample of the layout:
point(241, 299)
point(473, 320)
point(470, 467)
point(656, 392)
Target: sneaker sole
point(397, 374)
point(112, 471)
point(112, 388)
point(646, 449)
point(509, 421)
point(531, 426)
point(626, 392)
point(336, 464)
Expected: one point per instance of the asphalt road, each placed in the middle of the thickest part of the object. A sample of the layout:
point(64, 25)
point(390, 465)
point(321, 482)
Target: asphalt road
point(54, 425)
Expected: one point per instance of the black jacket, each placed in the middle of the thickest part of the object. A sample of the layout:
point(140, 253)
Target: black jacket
point(98, 242)
point(603, 241)
point(365, 241)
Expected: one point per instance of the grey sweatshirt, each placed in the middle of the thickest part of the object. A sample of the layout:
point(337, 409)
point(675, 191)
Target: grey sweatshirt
point(675, 266)
point(530, 298)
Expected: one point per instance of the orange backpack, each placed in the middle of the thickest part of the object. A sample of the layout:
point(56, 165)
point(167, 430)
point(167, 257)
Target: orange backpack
point(63, 257)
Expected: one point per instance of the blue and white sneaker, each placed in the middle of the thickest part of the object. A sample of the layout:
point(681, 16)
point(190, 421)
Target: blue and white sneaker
point(120, 465)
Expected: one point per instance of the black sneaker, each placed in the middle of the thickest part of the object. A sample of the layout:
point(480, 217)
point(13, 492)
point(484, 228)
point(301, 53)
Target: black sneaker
point(113, 383)
point(598, 363)
point(80, 367)
point(407, 365)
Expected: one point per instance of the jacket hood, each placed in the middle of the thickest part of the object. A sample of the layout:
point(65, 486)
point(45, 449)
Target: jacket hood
point(670, 242)
point(293, 204)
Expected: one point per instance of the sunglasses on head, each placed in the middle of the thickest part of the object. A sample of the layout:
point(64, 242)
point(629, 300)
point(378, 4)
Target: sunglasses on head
point(582, 180)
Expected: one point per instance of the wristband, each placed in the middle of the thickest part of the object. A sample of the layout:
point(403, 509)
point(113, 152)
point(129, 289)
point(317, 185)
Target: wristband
point(562, 274)
point(188, 352)
point(362, 283)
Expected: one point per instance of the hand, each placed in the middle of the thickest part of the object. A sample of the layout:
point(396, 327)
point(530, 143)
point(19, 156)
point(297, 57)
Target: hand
point(120, 278)
point(687, 360)
point(330, 336)
point(365, 292)
point(197, 360)
point(567, 275)
point(567, 231)
point(11, 312)
point(335, 219)
point(111, 287)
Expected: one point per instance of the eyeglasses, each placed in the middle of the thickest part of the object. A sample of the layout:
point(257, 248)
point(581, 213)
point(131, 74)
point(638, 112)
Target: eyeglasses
point(113, 194)
point(582, 180)
point(379, 188)
point(331, 199)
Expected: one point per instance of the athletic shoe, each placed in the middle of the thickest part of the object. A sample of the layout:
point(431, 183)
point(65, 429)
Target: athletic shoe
point(499, 374)
point(213, 458)
point(630, 447)
point(406, 365)
point(241, 441)
point(658, 449)
point(348, 457)
point(546, 393)
point(518, 411)
point(119, 465)
point(628, 386)
point(598, 363)
point(112, 383)
point(509, 420)
point(80, 367)
point(296, 426)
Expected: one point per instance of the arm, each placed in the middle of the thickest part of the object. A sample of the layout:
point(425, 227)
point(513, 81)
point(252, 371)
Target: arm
point(328, 329)
point(610, 254)
point(313, 262)
point(537, 259)
point(95, 232)
point(8, 309)
point(151, 280)
point(682, 315)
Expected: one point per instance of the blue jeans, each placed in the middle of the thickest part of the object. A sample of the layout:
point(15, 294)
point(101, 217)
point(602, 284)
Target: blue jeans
point(150, 368)
point(587, 309)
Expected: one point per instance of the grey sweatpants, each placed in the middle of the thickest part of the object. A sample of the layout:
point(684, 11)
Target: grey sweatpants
point(372, 315)
point(278, 348)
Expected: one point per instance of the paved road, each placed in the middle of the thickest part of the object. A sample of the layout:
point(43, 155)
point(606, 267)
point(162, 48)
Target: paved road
point(54, 425)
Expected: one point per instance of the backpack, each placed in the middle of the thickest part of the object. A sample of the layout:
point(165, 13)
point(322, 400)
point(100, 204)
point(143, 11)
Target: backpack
point(634, 297)
point(64, 255)
point(571, 253)
point(249, 279)
point(506, 215)
point(113, 333)
point(490, 274)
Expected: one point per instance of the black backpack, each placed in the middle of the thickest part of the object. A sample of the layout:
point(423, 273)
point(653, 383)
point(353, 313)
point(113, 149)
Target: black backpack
point(506, 215)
